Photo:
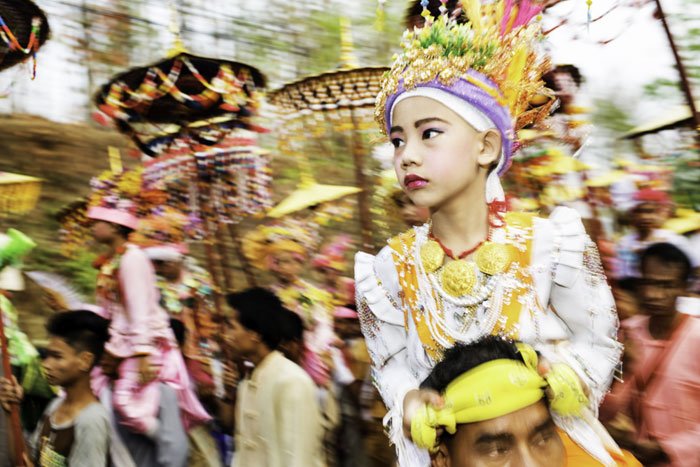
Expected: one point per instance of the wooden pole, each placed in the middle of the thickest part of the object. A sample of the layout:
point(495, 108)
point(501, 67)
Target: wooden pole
point(685, 82)
point(238, 246)
point(358, 154)
point(15, 424)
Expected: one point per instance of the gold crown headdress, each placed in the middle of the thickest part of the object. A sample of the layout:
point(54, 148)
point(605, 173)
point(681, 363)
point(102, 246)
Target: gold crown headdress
point(492, 61)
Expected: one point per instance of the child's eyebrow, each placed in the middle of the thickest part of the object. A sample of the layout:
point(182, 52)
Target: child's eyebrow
point(423, 121)
point(395, 128)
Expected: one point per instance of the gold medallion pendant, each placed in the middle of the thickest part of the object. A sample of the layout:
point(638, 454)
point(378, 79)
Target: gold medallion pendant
point(432, 256)
point(494, 258)
point(458, 278)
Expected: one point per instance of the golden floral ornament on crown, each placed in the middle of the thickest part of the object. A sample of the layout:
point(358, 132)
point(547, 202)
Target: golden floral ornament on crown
point(493, 61)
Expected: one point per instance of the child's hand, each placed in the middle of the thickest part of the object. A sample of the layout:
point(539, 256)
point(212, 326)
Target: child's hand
point(10, 393)
point(146, 372)
point(414, 400)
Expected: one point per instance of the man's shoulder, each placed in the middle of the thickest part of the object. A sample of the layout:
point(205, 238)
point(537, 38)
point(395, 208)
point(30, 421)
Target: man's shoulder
point(92, 416)
point(289, 373)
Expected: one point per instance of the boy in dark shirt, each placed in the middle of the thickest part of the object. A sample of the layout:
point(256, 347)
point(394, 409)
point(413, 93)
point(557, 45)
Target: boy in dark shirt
point(75, 429)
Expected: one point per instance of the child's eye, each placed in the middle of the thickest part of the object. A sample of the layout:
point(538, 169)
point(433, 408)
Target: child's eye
point(397, 142)
point(431, 133)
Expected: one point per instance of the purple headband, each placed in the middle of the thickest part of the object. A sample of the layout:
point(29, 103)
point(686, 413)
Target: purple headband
point(479, 99)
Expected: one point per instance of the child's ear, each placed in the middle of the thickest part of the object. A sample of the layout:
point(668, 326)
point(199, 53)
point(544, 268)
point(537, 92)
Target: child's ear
point(491, 144)
point(441, 457)
point(86, 360)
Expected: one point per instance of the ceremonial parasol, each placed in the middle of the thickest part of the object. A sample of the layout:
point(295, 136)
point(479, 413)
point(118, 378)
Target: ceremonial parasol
point(23, 29)
point(335, 103)
point(195, 116)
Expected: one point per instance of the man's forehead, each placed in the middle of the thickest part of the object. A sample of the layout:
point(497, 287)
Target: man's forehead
point(519, 423)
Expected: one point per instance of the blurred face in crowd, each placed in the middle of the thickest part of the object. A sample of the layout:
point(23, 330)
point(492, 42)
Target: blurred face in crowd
point(240, 341)
point(648, 216)
point(565, 87)
point(347, 328)
point(411, 214)
point(524, 438)
point(287, 266)
point(104, 232)
point(63, 365)
point(661, 284)
point(169, 270)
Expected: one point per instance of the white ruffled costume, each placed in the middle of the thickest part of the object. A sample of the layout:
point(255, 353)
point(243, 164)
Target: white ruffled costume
point(578, 327)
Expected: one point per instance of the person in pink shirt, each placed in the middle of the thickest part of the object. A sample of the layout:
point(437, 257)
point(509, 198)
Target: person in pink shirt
point(142, 350)
point(655, 412)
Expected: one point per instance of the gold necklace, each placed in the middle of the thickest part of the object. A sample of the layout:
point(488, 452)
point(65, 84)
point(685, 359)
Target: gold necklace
point(459, 277)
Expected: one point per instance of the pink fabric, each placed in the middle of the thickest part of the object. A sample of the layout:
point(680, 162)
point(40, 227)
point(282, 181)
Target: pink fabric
point(669, 409)
point(342, 312)
point(139, 326)
point(114, 216)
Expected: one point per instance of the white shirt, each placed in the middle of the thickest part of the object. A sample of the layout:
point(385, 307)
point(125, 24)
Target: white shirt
point(578, 326)
point(277, 417)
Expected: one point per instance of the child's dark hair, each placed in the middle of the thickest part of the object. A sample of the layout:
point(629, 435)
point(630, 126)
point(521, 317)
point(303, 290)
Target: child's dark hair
point(83, 330)
point(464, 357)
point(668, 254)
point(124, 231)
point(261, 311)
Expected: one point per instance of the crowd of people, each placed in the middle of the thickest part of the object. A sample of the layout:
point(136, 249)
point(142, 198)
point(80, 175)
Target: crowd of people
point(482, 335)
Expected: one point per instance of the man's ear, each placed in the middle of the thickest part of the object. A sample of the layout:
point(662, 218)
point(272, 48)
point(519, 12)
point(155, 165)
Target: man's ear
point(441, 457)
point(86, 360)
point(491, 144)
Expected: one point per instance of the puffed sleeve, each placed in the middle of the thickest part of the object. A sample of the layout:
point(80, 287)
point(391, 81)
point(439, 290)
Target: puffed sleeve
point(382, 324)
point(582, 298)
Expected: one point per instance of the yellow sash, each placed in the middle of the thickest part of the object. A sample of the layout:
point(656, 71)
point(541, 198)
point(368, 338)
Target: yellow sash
point(518, 233)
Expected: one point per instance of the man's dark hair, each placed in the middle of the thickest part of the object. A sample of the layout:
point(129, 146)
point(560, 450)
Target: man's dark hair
point(571, 70)
point(668, 254)
point(83, 330)
point(293, 327)
point(464, 357)
point(179, 331)
point(414, 10)
point(261, 311)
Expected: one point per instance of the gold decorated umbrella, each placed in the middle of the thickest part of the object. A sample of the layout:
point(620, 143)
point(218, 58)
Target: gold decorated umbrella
point(310, 193)
point(18, 193)
point(336, 103)
point(674, 118)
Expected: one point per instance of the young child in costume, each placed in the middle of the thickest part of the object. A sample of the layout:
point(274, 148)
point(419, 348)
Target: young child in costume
point(141, 340)
point(451, 105)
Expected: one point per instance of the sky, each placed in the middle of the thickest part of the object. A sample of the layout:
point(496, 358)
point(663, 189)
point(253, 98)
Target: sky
point(621, 68)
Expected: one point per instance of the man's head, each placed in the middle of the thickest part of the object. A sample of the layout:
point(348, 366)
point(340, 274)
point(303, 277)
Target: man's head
point(257, 323)
point(651, 209)
point(521, 432)
point(292, 344)
point(76, 344)
point(666, 273)
point(565, 81)
point(346, 323)
point(411, 214)
point(106, 232)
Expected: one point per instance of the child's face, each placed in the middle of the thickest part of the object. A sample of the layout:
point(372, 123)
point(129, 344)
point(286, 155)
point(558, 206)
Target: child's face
point(63, 364)
point(103, 232)
point(438, 156)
